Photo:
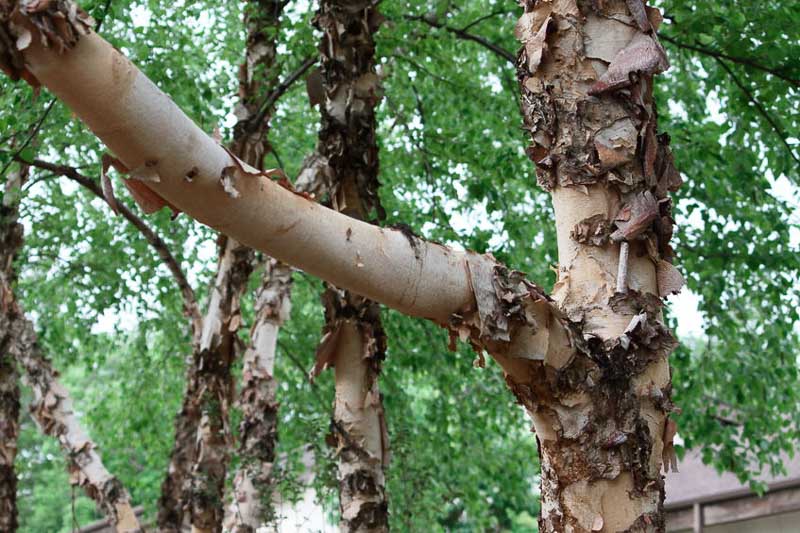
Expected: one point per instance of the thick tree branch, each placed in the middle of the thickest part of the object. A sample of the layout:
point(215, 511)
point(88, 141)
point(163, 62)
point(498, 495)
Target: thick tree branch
point(463, 34)
point(746, 61)
point(144, 128)
point(156, 242)
point(773, 122)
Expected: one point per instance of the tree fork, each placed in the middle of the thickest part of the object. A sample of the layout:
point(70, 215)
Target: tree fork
point(585, 355)
point(585, 71)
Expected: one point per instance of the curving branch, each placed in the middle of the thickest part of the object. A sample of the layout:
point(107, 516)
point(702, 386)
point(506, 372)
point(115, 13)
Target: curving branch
point(463, 34)
point(156, 242)
point(760, 108)
point(271, 99)
point(485, 17)
point(746, 61)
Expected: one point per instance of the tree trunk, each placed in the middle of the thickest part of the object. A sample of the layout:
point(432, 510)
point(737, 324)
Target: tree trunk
point(207, 427)
point(214, 386)
point(52, 405)
point(9, 432)
point(354, 342)
point(586, 76)
point(10, 241)
point(253, 484)
point(591, 369)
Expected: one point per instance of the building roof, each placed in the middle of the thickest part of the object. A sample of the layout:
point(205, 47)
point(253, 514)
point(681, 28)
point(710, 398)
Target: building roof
point(698, 483)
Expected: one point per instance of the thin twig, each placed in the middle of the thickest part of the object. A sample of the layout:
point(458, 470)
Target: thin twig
point(485, 17)
point(760, 108)
point(734, 59)
point(279, 91)
point(494, 48)
point(158, 244)
point(34, 131)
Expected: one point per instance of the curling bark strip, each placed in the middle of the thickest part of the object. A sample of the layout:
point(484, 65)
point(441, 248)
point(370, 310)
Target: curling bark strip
point(52, 405)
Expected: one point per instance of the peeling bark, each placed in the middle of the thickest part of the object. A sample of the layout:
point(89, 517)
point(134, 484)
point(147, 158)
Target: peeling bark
point(10, 241)
point(590, 366)
point(253, 485)
point(353, 342)
point(193, 489)
point(52, 409)
point(210, 390)
point(9, 432)
point(52, 406)
point(586, 73)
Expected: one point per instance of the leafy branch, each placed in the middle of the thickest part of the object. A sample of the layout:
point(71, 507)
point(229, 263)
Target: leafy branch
point(463, 34)
point(156, 242)
point(746, 61)
point(773, 122)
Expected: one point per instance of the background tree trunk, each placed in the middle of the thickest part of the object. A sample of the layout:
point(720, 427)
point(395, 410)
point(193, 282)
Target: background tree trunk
point(354, 342)
point(10, 240)
point(52, 405)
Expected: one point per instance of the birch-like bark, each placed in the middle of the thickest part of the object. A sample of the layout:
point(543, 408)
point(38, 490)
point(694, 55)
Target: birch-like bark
point(9, 433)
point(354, 342)
point(472, 295)
point(214, 386)
point(591, 370)
point(257, 78)
point(10, 241)
point(586, 76)
point(252, 485)
point(52, 406)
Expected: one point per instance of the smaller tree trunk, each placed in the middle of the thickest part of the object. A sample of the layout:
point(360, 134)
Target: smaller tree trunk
point(253, 484)
point(193, 489)
point(10, 235)
point(354, 342)
point(215, 388)
point(9, 432)
point(52, 405)
point(52, 409)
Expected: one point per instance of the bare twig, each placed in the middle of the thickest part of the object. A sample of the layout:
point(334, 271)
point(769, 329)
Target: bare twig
point(485, 17)
point(733, 59)
point(158, 244)
point(462, 34)
point(279, 91)
point(34, 131)
point(759, 107)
